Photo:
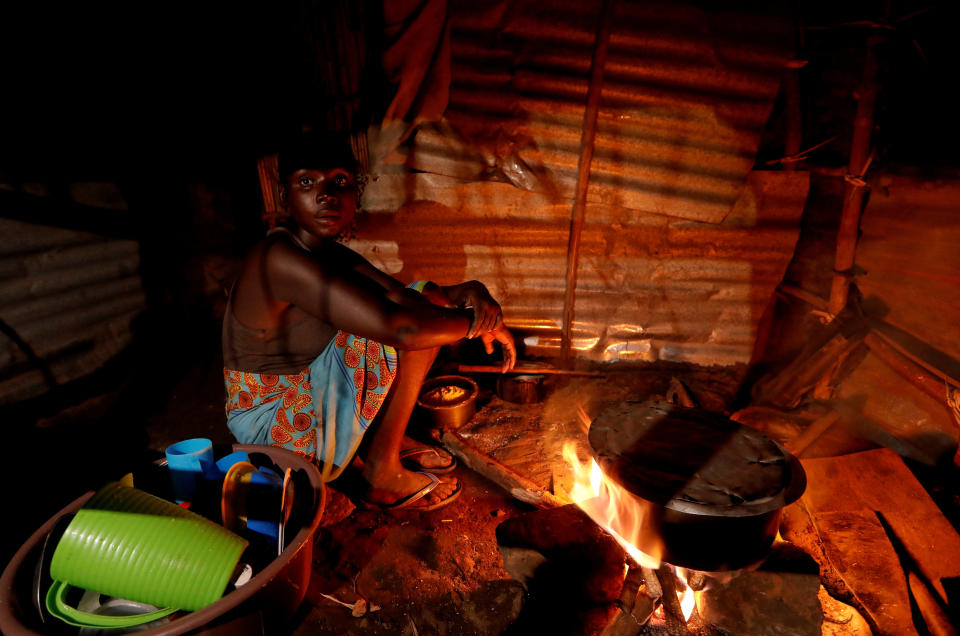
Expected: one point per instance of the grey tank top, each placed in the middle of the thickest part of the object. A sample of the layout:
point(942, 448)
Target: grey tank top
point(282, 350)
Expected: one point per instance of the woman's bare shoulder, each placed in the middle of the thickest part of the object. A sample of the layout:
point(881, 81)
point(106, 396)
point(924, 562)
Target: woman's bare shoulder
point(285, 262)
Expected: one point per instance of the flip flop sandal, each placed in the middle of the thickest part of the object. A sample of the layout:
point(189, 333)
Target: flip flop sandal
point(407, 459)
point(408, 502)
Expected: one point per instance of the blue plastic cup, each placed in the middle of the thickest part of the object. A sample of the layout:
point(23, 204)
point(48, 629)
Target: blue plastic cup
point(187, 461)
point(225, 463)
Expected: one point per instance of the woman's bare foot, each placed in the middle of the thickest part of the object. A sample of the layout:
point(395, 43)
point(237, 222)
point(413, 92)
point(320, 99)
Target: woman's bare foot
point(435, 457)
point(385, 490)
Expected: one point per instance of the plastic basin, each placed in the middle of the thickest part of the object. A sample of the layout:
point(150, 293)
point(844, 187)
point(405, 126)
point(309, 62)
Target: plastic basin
point(269, 599)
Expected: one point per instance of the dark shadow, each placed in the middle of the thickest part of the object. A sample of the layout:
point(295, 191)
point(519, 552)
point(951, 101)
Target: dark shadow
point(555, 604)
point(573, 590)
point(951, 586)
point(64, 213)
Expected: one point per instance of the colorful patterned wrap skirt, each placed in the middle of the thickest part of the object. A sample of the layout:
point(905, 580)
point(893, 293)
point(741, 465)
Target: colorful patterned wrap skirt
point(346, 385)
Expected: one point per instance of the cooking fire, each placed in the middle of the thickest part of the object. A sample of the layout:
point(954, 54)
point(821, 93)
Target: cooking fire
point(652, 446)
point(621, 514)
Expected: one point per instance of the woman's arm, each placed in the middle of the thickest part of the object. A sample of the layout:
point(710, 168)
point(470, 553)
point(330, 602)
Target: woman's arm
point(472, 294)
point(359, 304)
point(487, 315)
point(432, 293)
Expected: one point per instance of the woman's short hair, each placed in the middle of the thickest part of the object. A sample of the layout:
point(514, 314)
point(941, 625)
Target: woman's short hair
point(316, 151)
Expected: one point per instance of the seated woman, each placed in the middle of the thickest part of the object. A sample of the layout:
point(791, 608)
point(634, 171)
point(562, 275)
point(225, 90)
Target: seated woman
point(319, 344)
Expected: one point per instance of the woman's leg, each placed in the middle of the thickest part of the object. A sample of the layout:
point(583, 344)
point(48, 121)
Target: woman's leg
point(388, 479)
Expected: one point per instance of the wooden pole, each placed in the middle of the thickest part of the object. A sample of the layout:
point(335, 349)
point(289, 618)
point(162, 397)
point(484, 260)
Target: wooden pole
point(794, 136)
point(794, 110)
point(907, 368)
point(855, 187)
point(945, 377)
point(484, 368)
point(587, 136)
point(812, 433)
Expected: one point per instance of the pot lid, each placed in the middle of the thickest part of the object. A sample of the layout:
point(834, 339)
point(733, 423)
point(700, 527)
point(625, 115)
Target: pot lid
point(694, 461)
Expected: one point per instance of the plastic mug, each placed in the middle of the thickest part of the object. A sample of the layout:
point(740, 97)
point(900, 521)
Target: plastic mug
point(129, 544)
point(225, 463)
point(187, 461)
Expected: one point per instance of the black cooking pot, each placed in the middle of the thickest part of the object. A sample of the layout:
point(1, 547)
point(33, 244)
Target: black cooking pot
point(712, 490)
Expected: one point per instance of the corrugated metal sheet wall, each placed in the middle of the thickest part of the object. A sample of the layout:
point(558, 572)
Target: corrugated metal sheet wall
point(67, 300)
point(649, 288)
point(686, 96)
point(683, 244)
point(908, 258)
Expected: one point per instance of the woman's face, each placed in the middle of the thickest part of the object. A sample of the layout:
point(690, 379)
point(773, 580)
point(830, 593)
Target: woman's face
point(322, 202)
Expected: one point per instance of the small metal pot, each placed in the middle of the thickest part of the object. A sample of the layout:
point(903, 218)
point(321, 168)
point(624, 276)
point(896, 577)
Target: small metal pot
point(521, 389)
point(448, 413)
point(711, 490)
point(527, 387)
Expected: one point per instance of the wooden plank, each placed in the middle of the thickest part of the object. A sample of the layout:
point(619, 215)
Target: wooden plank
point(931, 609)
point(879, 480)
point(859, 552)
point(516, 484)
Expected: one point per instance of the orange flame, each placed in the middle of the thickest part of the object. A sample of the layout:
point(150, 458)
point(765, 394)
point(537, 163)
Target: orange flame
point(688, 598)
point(610, 506)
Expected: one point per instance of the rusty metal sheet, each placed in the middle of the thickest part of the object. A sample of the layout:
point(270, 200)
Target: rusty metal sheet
point(17, 242)
point(649, 287)
point(69, 297)
point(908, 258)
point(686, 95)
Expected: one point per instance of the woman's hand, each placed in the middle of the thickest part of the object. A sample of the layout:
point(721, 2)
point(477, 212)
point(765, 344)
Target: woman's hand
point(505, 338)
point(487, 314)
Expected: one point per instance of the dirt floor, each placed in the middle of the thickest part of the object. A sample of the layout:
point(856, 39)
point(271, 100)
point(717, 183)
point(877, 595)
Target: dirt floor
point(437, 572)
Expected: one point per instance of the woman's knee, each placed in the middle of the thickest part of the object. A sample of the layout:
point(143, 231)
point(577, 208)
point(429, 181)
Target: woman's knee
point(419, 354)
point(417, 358)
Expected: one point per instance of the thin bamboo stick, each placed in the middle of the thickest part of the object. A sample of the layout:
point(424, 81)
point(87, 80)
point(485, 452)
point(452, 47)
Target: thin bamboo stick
point(910, 367)
point(485, 368)
point(587, 137)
